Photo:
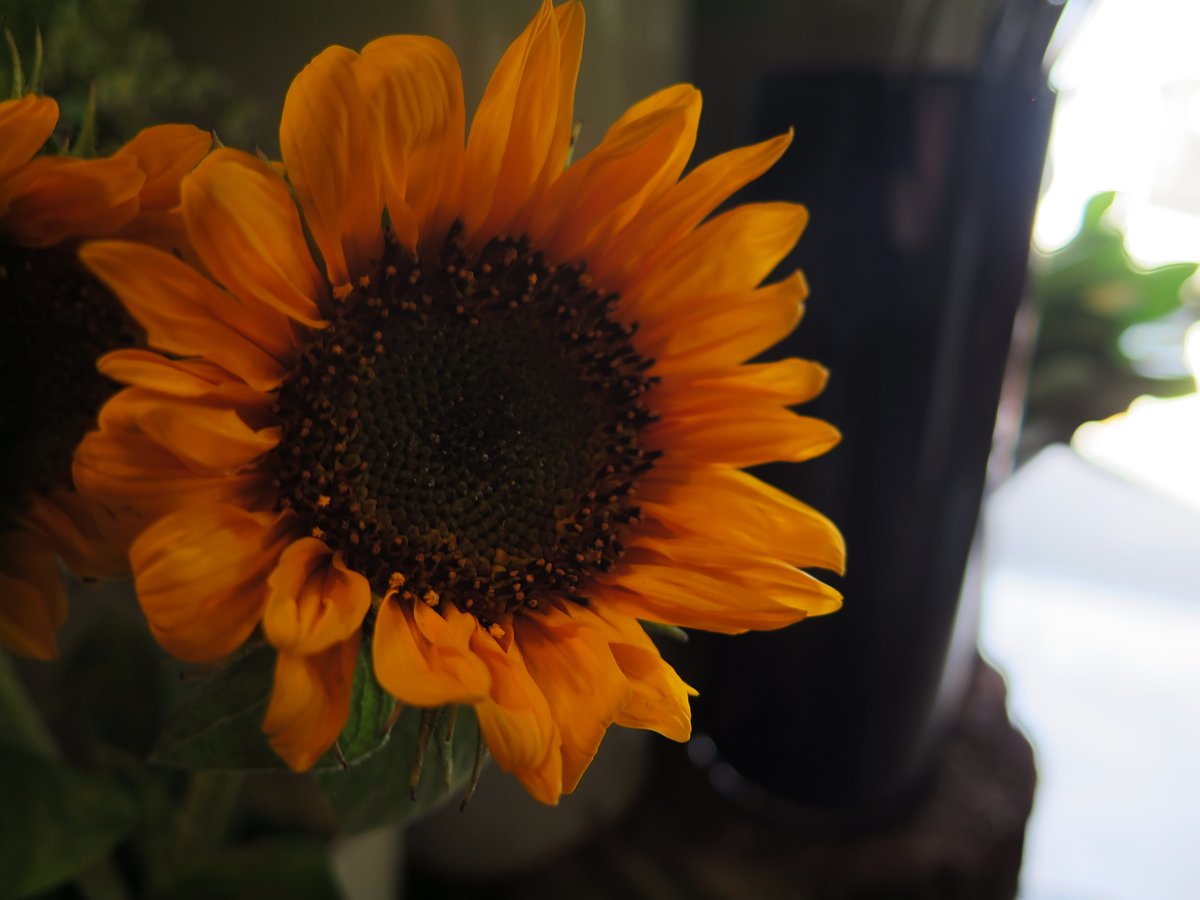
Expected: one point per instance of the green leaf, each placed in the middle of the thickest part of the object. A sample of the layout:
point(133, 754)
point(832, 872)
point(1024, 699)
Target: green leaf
point(374, 790)
point(20, 725)
point(219, 725)
point(57, 821)
point(293, 867)
point(370, 708)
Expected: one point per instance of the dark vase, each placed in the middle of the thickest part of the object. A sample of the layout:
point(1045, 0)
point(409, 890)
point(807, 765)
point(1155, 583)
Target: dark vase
point(921, 181)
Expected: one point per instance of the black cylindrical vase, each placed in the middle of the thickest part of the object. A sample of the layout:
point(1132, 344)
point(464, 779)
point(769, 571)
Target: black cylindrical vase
point(921, 181)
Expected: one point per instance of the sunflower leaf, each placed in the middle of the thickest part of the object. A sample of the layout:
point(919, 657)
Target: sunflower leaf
point(58, 821)
point(375, 789)
point(366, 728)
point(219, 726)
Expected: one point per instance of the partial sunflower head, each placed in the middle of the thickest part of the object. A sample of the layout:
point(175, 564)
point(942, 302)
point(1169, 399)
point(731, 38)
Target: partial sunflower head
point(499, 420)
point(58, 319)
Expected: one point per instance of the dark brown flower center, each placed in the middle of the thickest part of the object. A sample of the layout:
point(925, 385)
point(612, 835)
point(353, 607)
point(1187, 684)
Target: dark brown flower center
point(466, 429)
point(58, 320)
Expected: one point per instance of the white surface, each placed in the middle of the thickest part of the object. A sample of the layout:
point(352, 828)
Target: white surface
point(1092, 609)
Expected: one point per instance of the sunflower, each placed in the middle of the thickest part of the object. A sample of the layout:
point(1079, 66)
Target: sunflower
point(493, 420)
point(58, 319)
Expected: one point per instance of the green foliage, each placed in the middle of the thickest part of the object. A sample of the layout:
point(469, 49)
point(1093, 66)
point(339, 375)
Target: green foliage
point(138, 77)
point(1088, 294)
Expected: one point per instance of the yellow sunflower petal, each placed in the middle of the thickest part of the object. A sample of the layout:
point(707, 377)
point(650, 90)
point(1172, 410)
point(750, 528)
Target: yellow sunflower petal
point(570, 662)
point(165, 153)
point(313, 600)
point(186, 314)
point(206, 437)
point(310, 702)
point(785, 382)
point(54, 198)
point(33, 599)
point(414, 93)
point(195, 378)
point(425, 659)
point(758, 435)
point(197, 609)
point(755, 594)
point(25, 125)
point(82, 533)
point(640, 154)
point(730, 507)
point(139, 480)
point(658, 698)
point(243, 223)
point(733, 252)
point(330, 157)
point(515, 719)
point(521, 130)
point(718, 331)
point(675, 212)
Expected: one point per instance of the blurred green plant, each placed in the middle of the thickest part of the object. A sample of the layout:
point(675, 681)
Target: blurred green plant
point(1089, 296)
point(138, 78)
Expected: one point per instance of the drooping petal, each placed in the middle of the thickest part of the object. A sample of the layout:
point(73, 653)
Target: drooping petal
point(54, 198)
point(414, 94)
point(243, 223)
point(331, 161)
point(207, 437)
point(139, 481)
point(201, 577)
point(33, 599)
point(570, 662)
point(515, 719)
point(658, 699)
point(424, 658)
point(26, 124)
point(186, 314)
point(310, 702)
point(313, 600)
point(165, 154)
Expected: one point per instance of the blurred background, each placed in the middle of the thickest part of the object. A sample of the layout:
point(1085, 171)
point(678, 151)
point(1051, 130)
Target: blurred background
point(1005, 200)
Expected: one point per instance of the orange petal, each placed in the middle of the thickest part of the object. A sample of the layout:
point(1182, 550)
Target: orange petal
point(784, 383)
point(187, 315)
point(521, 130)
point(570, 662)
point(641, 154)
point(658, 699)
point(425, 659)
point(727, 506)
point(33, 599)
point(711, 332)
point(755, 436)
point(140, 481)
point(81, 532)
point(675, 212)
point(201, 577)
point(313, 600)
point(206, 437)
point(331, 159)
point(310, 702)
point(414, 93)
point(56, 197)
point(243, 223)
point(758, 594)
point(185, 378)
point(165, 153)
point(515, 719)
point(733, 252)
point(25, 124)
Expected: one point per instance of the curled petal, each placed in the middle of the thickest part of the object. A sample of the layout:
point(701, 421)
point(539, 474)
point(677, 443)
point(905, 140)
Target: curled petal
point(424, 659)
point(313, 600)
